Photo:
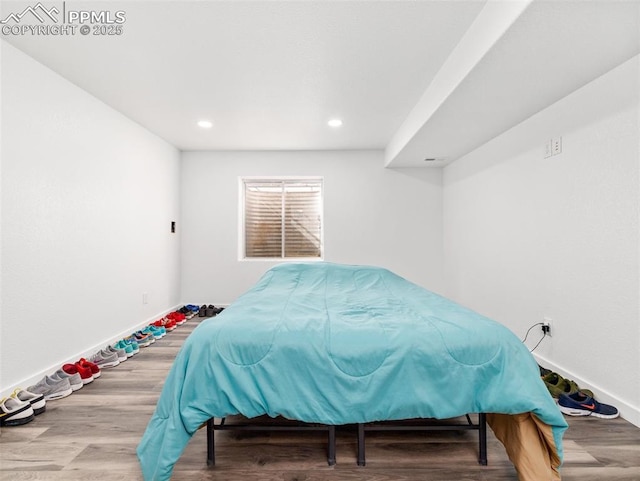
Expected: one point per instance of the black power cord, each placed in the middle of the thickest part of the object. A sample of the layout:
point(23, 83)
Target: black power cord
point(545, 330)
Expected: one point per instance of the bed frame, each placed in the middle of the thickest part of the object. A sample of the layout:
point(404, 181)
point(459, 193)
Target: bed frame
point(222, 426)
point(426, 425)
point(411, 425)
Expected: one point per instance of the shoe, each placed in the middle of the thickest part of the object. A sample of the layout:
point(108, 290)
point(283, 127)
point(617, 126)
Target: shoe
point(193, 308)
point(578, 404)
point(130, 347)
point(557, 385)
point(14, 412)
point(571, 387)
point(74, 379)
point(553, 382)
point(37, 401)
point(85, 373)
point(172, 323)
point(167, 323)
point(122, 346)
point(134, 345)
point(143, 340)
point(95, 370)
point(544, 371)
point(148, 336)
point(202, 312)
point(52, 389)
point(156, 332)
point(178, 317)
point(120, 353)
point(213, 310)
point(105, 359)
point(186, 312)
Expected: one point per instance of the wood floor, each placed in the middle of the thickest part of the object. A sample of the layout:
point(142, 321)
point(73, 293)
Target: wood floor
point(93, 434)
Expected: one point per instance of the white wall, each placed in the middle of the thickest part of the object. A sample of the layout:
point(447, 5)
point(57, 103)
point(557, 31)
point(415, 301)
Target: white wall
point(373, 215)
point(87, 201)
point(527, 237)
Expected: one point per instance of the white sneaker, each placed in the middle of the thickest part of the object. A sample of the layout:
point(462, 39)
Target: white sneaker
point(14, 412)
point(37, 401)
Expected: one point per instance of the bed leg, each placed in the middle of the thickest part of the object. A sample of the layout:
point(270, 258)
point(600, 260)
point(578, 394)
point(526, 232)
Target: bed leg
point(331, 457)
point(211, 446)
point(482, 434)
point(361, 456)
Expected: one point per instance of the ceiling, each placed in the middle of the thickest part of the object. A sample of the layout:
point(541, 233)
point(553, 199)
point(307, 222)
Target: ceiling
point(419, 79)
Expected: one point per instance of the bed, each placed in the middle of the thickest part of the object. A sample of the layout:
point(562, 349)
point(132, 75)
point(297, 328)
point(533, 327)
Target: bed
point(336, 345)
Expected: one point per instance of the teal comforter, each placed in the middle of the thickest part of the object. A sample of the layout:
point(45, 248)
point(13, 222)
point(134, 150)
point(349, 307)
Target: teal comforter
point(338, 344)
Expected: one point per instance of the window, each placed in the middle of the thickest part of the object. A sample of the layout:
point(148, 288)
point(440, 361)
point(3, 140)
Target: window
point(282, 218)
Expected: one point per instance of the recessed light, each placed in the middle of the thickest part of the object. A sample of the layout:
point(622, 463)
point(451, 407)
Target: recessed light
point(334, 123)
point(205, 124)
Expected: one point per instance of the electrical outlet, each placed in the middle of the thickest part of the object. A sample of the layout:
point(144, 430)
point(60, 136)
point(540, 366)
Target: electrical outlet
point(556, 145)
point(546, 326)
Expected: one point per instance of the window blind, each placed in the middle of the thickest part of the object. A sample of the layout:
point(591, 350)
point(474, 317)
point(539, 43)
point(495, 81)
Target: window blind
point(283, 218)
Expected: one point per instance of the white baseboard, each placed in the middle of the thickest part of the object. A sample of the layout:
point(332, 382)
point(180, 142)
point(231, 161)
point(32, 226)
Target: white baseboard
point(30, 381)
point(627, 410)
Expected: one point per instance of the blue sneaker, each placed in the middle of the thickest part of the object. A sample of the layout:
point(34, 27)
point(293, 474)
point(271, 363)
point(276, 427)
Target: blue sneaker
point(121, 345)
point(131, 344)
point(579, 404)
point(156, 332)
point(193, 308)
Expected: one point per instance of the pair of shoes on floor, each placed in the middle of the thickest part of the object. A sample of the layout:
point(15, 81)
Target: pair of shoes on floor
point(121, 353)
point(188, 311)
point(193, 308)
point(141, 339)
point(179, 317)
point(105, 359)
point(579, 404)
point(557, 385)
point(154, 331)
point(88, 365)
point(166, 322)
point(128, 345)
point(75, 380)
point(52, 388)
point(21, 407)
point(83, 370)
point(210, 310)
point(37, 401)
